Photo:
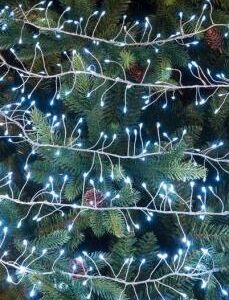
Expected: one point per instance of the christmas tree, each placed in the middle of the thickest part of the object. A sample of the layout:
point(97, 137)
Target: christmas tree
point(114, 153)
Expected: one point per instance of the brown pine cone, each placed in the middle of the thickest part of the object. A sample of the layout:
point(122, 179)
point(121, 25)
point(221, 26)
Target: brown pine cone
point(214, 39)
point(93, 198)
point(78, 268)
point(136, 72)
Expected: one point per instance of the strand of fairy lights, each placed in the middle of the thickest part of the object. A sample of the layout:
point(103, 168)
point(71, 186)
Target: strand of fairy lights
point(19, 118)
point(208, 82)
point(176, 268)
point(179, 37)
point(160, 202)
point(28, 131)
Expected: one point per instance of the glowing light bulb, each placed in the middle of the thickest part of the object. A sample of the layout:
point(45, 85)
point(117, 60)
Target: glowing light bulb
point(137, 226)
point(149, 218)
point(192, 183)
point(204, 250)
point(224, 292)
point(162, 256)
point(9, 279)
point(144, 185)
point(204, 284)
point(32, 293)
point(44, 251)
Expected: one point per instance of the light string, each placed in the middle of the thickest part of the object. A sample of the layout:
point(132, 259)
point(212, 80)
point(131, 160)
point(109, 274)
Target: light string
point(124, 32)
point(216, 85)
point(91, 269)
point(163, 200)
point(21, 119)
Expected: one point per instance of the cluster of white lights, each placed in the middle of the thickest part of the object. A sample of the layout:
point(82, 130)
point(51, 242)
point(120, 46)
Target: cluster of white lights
point(125, 36)
point(163, 201)
point(215, 84)
point(21, 118)
point(176, 267)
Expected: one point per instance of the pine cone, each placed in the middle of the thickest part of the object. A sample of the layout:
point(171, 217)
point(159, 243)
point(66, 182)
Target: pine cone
point(214, 39)
point(78, 268)
point(93, 198)
point(136, 72)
